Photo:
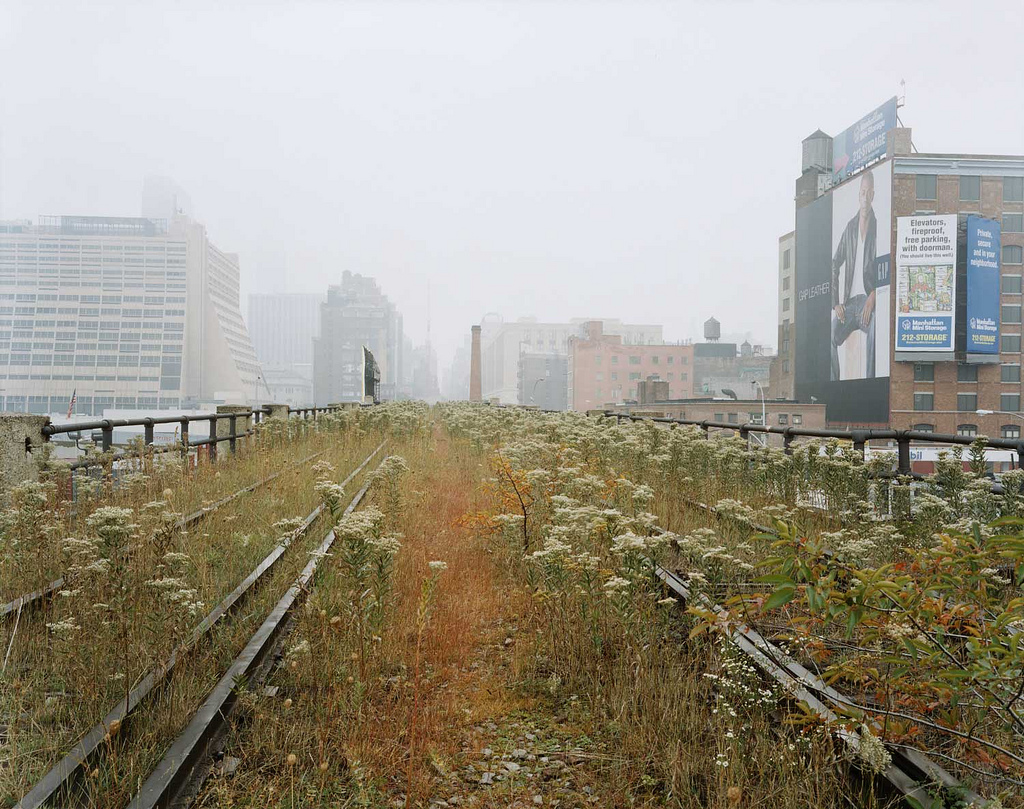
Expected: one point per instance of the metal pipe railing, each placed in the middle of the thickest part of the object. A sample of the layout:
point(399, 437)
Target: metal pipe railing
point(859, 437)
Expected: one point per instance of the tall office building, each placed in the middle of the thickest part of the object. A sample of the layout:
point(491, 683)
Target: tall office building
point(131, 313)
point(282, 327)
point(356, 314)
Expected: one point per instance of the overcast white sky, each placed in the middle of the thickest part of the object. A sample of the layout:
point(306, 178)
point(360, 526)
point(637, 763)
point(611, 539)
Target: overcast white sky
point(562, 159)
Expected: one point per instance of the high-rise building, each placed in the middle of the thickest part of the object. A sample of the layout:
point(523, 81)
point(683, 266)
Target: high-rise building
point(502, 343)
point(908, 292)
point(355, 314)
point(130, 313)
point(782, 364)
point(282, 327)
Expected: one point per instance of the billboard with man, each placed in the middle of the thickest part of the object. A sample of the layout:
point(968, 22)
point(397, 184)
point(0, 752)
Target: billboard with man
point(843, 298)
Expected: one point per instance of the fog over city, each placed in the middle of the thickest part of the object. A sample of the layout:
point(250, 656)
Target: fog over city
point(631, 160)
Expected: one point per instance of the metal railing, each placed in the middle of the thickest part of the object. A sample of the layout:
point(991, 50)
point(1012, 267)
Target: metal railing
point(858, 437)
point(185, 444)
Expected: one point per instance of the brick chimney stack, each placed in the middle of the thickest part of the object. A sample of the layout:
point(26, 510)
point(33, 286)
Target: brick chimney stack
point(475, 391)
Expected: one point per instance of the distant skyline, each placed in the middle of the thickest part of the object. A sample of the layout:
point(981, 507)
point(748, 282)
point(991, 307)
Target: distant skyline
point(558, 159)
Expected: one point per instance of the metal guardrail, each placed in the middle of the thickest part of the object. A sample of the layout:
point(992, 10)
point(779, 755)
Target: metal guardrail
point(859, 437)
point(148, 423)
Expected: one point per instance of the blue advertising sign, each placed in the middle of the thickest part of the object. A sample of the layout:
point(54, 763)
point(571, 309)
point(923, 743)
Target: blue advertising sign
point(983, 256)
point(925, 282)
point(854, 148)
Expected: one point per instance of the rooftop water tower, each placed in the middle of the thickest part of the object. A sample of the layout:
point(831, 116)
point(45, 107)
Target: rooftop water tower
point(712, 330)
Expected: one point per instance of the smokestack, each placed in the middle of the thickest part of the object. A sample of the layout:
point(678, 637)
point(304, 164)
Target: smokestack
point(475, 391)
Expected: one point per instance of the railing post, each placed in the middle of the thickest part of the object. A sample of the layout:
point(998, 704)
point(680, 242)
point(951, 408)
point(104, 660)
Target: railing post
point(704, 427)
point(108, 435)
point(787, 440)
point(212, 446)
point(903, 453)
point(859, 441)
point(184, 437)
point(148, 432)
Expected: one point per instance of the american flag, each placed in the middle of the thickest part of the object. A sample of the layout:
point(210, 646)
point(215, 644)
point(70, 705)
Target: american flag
point(71, 404)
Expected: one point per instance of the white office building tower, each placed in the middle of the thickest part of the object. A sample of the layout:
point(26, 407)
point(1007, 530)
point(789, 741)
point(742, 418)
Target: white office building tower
point(130, 313)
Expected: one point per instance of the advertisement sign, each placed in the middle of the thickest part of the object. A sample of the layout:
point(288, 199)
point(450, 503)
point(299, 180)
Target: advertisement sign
point(843, 311)
point(983, 257)
point(925, 282)
point(861, 232)
point(854, 148)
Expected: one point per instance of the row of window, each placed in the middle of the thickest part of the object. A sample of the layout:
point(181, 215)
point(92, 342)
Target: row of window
point(635, 375)
point(971, 430)
point(636, 359)
point(87, 405)
point(967, 402)
point(1009, 372)
point(970, 188)
point(755, 418)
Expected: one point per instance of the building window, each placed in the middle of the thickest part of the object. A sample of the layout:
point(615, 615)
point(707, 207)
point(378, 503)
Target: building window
point(966, 402)
point(1010, 313)
point(599, 376)
point(924, 372)
point(615, 359)
point(924, 401)
point(786, 259)
point(1010, 343)
point(1013, 189)
point(783, 418)
point(634, 360)
point(785, 283)
point(597, 359)
point(970, 188)
point(1013, 223)
point(926, 185)
point(1011, 285)
point(966, 372)
point(785, 304)
point(615, 376)
point(1010, 373)
point(785, 366)
point(719, 417)
point(683, 377)
point(670, 359)
point(798, 419)
point(654, 360)
point(733, 418)
point(924, 428)
point(1013, 254)
point(969, 430)
point(671, 376)
point(1009, 402)
point(1010, 431)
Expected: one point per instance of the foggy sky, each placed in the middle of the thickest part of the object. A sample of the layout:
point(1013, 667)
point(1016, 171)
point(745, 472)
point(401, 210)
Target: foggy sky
point(560, 159)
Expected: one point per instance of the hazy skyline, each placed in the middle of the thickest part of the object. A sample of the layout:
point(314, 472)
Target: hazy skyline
point(559, 159)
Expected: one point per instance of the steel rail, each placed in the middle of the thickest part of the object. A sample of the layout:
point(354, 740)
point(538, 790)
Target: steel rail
point(58, 781)
point(910, 772)
point(35, 599)
point(175, 776)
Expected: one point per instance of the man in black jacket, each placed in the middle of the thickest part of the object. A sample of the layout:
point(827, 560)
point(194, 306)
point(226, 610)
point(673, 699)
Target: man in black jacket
point(853, 302)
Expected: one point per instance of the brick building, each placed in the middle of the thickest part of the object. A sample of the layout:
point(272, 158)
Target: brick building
point(868, 380)
point(602, 369)
point(946, 396)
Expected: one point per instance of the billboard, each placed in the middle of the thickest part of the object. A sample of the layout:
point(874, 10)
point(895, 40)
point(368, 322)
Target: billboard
point(843, 312)
point(983, 257)
point(854, 148)
point(925, 282)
